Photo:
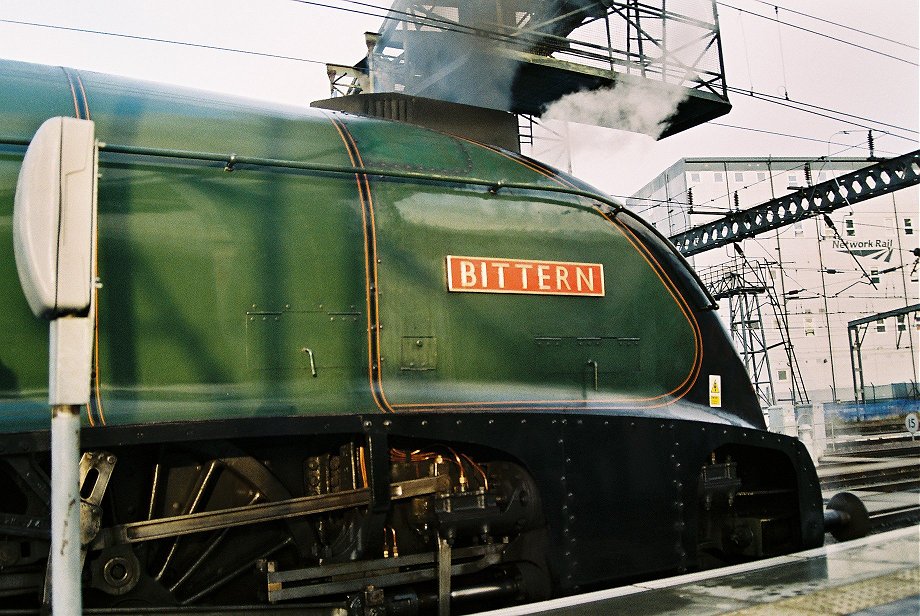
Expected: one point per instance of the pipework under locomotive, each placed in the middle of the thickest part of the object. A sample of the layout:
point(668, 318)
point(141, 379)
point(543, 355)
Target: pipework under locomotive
point(351, 364)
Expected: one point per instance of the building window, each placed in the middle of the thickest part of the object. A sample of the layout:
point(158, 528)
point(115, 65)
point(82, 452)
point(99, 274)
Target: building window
point(782, 375)
point(902, 323)
point(761, 176)
point(880, 326)
point(889, 227)
point(717, 177)
point(850, 227)
point(875, 278)
point(908, 226)
point(792, 180)
point(739, 177)
point(917, 321)
point(799, 228)
point(809, 326)
point(694, 177)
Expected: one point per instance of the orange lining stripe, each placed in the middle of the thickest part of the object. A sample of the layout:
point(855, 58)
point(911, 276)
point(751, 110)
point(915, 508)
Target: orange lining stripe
point(364, 194)
point(370, 244)
point(376, 286)
point(656, 267)
point(678, 299)
point(370, 324)
point(659, 271)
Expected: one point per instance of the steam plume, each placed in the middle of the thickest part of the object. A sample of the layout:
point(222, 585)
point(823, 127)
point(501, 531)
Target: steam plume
point(640, 107)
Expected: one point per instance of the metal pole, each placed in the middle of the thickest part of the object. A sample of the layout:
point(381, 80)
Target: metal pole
point(54, 215)
point(827, 316)
point(853, 335)
point(65, 510)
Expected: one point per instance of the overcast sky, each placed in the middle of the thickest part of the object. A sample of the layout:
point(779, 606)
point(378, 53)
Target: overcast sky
point(759, 55)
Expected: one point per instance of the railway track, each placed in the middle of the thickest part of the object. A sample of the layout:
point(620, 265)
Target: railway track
point(895, 518)
point(881, 475)
point(881, 468)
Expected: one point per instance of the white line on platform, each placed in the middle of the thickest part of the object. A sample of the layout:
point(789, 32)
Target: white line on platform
point(622, 591)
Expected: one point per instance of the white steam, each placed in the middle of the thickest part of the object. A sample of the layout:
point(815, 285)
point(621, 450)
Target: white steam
point(639, 107)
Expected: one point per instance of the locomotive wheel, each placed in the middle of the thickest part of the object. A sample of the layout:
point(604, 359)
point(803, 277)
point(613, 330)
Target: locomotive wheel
point(215, 567)
point(24, 506)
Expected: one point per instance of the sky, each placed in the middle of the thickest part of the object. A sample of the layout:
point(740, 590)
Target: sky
point(758, 54)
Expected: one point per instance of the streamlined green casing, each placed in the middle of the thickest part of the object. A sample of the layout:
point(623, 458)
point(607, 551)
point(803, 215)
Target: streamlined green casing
point(215, 283)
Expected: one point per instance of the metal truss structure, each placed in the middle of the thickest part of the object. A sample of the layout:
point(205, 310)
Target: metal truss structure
point(883, 177)
point(743, 283)
point(743, 291)
point(857, 332)
point(547, 141)
point(520, 55)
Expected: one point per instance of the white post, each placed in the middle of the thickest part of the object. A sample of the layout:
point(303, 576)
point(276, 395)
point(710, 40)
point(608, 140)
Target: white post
point(54, 225)
point(69, 374)
point(819, 429)
point(65, 510)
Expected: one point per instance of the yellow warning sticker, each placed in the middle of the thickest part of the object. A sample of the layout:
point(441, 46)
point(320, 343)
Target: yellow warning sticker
point(715, 390)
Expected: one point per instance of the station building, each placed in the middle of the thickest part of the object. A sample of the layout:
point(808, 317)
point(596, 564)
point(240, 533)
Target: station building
point(790, 297)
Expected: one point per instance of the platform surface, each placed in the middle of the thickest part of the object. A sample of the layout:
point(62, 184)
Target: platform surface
point(875, 576)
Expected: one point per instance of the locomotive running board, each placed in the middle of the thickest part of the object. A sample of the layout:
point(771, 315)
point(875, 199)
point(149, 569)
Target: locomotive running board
point(164, 528)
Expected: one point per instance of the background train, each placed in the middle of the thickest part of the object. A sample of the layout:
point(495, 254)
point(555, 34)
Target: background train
point(347, 362)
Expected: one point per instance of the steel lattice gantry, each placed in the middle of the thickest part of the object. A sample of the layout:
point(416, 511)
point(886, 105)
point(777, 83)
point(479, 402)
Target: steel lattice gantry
point(883, 177)
point(856, 330)
point(519, 56)
point(743, 290)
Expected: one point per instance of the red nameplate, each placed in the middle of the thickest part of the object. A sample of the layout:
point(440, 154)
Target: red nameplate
point(488, 275)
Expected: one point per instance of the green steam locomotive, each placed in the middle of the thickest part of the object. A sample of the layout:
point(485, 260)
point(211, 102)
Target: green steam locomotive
point(349, 364)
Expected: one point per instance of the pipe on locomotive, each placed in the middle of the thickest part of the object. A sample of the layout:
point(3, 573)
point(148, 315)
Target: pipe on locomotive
point(607, 207)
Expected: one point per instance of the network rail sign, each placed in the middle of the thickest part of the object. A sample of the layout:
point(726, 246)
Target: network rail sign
point(880, 250)
point(491, 275)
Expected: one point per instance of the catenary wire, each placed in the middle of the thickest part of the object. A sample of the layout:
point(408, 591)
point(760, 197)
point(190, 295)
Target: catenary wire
point(815, 32)
point(791, 104)
point(839, 25)
point(309, 60)
point(727, 195)
point(756, 95)
point(451, 25)
point(159, 40)
point(790, 136)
